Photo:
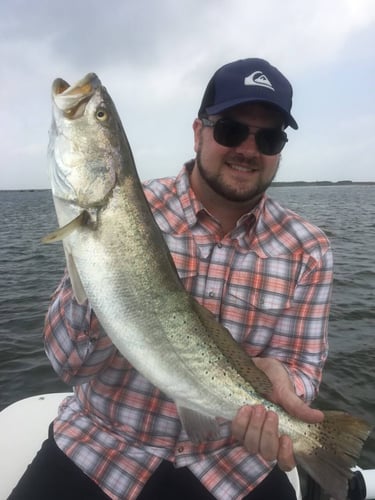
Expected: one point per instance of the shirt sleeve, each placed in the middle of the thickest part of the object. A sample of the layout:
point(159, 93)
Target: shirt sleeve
point(75, 343)
point(300, 340)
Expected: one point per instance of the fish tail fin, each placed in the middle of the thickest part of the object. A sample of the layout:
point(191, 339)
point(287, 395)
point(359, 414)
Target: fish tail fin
point(330, 449)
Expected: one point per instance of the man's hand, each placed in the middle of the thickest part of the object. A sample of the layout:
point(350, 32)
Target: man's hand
point(258, 429)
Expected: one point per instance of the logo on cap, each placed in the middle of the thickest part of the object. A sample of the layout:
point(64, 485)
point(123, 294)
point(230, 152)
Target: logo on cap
point(258, 79)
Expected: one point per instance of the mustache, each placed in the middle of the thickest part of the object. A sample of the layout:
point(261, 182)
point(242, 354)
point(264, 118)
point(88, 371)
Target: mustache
point(249, 161)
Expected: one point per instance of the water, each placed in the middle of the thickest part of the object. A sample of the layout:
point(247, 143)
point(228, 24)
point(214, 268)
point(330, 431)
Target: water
point(30, 272)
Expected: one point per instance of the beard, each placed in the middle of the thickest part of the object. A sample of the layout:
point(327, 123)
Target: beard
point(240, 193)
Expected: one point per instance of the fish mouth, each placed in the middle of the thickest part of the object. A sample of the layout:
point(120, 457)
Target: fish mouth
point(72, 99)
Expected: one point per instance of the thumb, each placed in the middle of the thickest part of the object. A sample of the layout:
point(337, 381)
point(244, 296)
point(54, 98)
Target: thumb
point(293, 405)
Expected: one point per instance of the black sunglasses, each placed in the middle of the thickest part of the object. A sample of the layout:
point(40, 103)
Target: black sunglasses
point(229, 133)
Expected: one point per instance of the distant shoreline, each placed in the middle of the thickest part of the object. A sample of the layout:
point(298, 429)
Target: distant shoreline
point(322, 183)
point(274, 184)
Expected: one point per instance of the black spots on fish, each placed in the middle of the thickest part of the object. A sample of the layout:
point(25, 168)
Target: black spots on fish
point(210, 363)
point(307, 431)
point(207, 372)
point(182, 321)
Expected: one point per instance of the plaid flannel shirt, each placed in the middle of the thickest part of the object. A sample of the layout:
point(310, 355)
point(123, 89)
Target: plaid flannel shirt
point(269, 282)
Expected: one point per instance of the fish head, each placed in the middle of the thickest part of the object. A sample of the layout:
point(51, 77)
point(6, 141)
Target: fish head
point(85, 159)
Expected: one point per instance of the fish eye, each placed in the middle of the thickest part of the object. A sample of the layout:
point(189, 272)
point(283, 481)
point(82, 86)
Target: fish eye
point(101, 115)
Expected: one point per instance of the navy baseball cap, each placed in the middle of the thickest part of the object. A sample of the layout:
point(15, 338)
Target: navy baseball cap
point(248, 80)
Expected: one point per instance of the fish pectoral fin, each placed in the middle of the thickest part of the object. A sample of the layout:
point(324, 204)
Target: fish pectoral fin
point(66, 230)
point(198, 426)
point(78, 290)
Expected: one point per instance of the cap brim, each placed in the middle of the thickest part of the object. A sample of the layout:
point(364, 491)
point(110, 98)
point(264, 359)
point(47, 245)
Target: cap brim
point(219, 108)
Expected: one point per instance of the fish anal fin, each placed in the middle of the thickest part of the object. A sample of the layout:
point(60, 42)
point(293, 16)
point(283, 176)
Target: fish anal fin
point(65, 231)
point(198, 427)
point(233, 351)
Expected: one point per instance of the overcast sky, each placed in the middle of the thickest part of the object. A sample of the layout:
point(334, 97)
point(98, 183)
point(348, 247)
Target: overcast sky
point(156, 57)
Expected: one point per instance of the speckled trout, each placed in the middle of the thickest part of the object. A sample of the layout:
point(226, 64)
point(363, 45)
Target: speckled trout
point(117, 259)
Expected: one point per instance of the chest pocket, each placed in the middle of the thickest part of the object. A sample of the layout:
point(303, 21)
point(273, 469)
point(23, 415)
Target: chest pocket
point(267, 285)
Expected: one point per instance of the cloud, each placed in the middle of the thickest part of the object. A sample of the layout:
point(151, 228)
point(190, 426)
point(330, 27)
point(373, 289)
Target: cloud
point(155, 58)
point(146, 32)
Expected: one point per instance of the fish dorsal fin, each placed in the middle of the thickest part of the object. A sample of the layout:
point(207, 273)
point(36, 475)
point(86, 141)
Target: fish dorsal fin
point(78, 290)
point(65, 231)
point(233, 351)
point(198, 427)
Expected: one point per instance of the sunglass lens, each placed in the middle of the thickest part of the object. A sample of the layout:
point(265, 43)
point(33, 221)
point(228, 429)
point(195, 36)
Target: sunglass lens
point(230, 133)
point(270, 141)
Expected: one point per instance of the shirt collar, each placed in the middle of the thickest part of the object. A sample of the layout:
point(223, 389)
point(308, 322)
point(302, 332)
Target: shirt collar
point(189, 202)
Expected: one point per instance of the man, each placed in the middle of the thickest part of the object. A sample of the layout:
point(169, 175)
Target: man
point(263, 271)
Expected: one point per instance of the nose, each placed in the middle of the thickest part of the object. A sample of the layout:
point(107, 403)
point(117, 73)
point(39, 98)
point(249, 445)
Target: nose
point(248, 146)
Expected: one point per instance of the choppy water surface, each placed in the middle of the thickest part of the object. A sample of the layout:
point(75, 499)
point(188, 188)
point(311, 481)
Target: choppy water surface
point(30, 272)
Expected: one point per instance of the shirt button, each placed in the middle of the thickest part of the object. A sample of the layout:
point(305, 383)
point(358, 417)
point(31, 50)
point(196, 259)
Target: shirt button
point(180, 449)
point(211, 294)
point(219, 245)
